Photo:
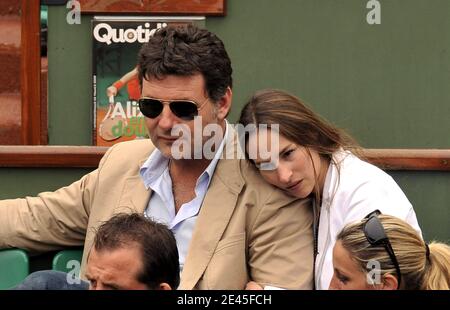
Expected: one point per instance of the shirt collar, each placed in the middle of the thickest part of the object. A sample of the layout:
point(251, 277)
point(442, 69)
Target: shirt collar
point(212, 165)
point(153, 168)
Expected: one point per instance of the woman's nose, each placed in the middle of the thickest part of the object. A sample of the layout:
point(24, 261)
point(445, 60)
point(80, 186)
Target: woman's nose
point(334, 284)
point(284, 175)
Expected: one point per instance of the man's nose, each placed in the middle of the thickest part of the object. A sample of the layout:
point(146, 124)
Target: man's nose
point(166, 118)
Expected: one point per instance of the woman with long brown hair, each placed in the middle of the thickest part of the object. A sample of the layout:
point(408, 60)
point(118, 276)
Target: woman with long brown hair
point(318, 160)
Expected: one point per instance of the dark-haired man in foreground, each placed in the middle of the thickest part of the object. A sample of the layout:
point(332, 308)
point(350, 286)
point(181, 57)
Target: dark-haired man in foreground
point(130, 252)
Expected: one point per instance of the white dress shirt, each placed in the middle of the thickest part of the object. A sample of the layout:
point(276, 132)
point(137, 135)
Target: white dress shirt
point(161, 207)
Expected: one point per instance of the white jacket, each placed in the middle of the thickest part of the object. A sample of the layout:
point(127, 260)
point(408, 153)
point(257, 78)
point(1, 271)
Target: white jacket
point(349, 195)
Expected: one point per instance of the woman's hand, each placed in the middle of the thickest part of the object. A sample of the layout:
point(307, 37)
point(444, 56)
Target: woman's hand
point(253, 286)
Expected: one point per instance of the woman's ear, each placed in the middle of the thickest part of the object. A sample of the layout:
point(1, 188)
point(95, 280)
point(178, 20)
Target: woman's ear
point(389, 282)
point(164, 287)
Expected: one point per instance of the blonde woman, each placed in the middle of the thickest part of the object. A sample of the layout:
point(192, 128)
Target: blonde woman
point(318, 160)
point(384, 252)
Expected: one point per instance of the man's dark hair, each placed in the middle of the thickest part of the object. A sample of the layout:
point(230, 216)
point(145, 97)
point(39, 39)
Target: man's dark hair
point(185, 51)
point(157, 244)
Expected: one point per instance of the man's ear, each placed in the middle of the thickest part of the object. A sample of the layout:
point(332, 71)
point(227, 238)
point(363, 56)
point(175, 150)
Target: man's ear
point(164, 287)
point(389, 282)
point(223, 106)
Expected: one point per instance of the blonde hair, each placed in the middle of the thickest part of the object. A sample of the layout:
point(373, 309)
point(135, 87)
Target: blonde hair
point(419, 270)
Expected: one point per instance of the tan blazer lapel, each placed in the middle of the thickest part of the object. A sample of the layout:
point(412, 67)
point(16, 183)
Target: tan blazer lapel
point(214, 216)
point(134, 197)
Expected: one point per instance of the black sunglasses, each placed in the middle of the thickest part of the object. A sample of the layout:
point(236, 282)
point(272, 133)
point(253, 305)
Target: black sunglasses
point(375, 234)
point(184, 109)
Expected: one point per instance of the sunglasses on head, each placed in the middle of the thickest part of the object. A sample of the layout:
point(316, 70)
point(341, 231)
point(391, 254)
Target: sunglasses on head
point(184, 109)
point(375, 235)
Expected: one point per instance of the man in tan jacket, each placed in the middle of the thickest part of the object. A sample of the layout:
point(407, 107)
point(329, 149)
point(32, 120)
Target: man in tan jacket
point(231, 227)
